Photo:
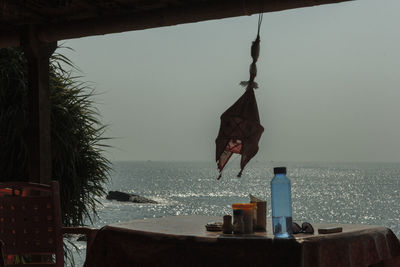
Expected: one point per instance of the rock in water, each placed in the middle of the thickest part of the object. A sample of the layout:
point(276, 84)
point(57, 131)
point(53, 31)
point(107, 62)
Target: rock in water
point(116, 195)
point(121, 196)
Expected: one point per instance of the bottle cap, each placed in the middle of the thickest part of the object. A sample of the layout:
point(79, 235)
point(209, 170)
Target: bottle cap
point(280, 170)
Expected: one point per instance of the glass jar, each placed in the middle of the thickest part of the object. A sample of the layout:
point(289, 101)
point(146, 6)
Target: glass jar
point(247, 210)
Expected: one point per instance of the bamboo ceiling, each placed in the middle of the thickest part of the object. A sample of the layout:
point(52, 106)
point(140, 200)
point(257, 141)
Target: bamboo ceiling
point(65, 19)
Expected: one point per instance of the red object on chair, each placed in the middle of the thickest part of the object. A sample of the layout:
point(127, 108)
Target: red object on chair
point(30, 224)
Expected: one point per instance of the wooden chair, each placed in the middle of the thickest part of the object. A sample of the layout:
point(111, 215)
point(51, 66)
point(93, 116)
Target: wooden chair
point(30, 224)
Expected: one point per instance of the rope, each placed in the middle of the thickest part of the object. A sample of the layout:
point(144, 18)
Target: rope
point(260, 18)
point(255, 52)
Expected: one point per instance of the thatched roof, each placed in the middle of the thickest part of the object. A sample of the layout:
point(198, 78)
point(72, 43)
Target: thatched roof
point(65, 19)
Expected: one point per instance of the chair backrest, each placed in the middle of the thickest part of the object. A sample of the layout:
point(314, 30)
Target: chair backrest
point(30, 221)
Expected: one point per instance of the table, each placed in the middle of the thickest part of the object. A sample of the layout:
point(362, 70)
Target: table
point(183, 241)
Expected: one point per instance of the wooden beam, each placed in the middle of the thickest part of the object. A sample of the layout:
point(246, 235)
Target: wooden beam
point(39, 142)
point(168, 16)
point(171, 15)
point(9, 37)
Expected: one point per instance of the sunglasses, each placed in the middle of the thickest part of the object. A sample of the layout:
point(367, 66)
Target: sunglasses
point(306, 228)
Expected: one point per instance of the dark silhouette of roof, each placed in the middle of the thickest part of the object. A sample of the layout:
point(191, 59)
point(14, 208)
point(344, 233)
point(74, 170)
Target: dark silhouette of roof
point(65, 19)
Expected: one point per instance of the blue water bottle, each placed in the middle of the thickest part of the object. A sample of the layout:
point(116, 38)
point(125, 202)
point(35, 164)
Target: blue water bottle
point(281, 202)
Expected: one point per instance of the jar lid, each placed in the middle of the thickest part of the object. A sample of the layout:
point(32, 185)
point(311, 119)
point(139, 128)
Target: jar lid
point(243, 206)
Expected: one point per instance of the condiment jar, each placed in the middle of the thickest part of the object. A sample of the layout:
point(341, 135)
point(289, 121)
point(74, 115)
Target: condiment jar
point(238, 224)
point(247, 210)
point(227, 225)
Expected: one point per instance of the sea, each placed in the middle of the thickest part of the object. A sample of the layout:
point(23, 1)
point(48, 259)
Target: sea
point(349, 193)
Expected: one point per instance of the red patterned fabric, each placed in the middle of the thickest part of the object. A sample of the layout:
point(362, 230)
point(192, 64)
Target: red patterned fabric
point(240, 131)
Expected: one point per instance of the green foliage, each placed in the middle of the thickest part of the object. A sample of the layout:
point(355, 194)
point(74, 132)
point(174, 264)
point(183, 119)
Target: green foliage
point(76, 134)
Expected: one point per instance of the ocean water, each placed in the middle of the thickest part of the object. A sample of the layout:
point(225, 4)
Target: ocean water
point(359, 193)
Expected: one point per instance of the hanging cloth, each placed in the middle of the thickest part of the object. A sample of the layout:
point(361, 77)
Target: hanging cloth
point(240, 129)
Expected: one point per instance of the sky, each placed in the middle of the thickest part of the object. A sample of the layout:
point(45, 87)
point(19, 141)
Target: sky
point(329, 80)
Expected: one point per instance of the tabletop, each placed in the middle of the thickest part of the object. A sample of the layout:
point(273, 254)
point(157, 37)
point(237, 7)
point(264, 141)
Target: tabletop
point(184, 241)
point(195, 226)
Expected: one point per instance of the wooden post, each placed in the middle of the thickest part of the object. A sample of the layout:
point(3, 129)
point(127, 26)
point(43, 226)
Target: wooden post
point(39, 155)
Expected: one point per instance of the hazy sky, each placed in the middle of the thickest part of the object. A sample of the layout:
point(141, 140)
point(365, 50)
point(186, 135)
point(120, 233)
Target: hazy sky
point(329, 81)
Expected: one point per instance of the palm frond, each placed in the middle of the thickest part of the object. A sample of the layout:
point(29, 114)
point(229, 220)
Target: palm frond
point(77, 133)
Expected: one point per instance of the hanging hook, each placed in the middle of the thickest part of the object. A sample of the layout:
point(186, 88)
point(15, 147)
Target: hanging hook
point(245, 11)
